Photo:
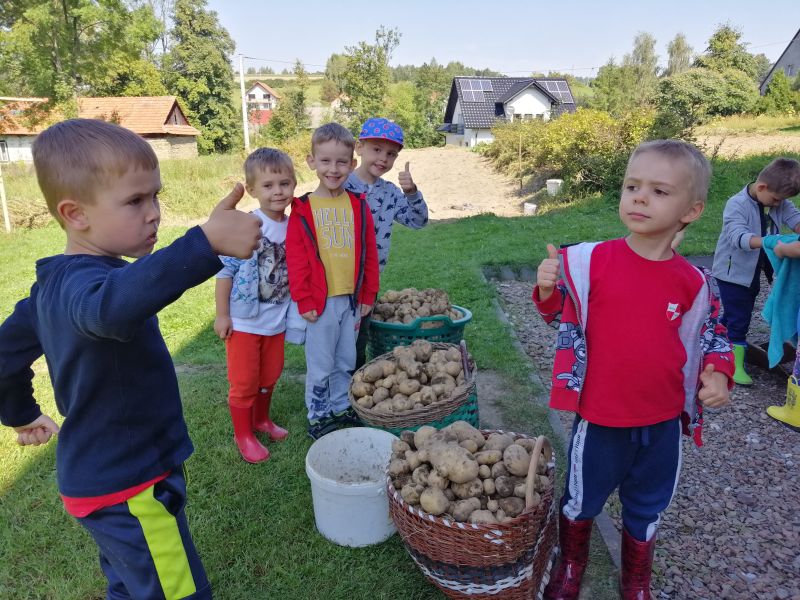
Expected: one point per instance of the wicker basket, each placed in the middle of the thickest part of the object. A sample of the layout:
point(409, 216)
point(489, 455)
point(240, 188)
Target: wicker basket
point(505, 561)
point(460, 405)
point(439, 328)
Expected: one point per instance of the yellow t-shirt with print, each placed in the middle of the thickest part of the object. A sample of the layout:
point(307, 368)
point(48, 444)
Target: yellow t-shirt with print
point(333, 223)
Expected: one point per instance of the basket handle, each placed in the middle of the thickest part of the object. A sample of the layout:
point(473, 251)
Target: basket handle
point(542, 445)
point(462, 346)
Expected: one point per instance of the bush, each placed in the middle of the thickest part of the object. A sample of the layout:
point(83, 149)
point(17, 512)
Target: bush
point(588, 148)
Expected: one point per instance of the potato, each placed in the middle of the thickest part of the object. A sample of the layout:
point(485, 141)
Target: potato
point(400, 403)
point(387, 382)
point(413, 459)
point(380, 394)
point(436, 479)
point(498, 441)
point(464, 508)
point(409, 365)
point(450, 495)
point(519, 489)
point(365, 402)
point(420, 474)
point(453, 462)
point(470, 489)
point(384, 407)
point(535, 499)
point(422, 348)
point(433, 501)
point(400, 446)
point(482, 517)
point(512, 506)
point(408, 437)
point(542, 483)
point(388, 367)
point(411, 492)
point(438, 389)
point(484, 472)
point(410, 386)
point(428, 395)
point(416, 398)
point(469, 445)
point(488, 487)
point(489, 457)
point(371, 373)
point(398, 467)
point(517, 460)
point(453, 368)
point(504, 486)
point(492, 505)
point(465, 431)
point(362, 388)
point(499, 470)
point(527, 443)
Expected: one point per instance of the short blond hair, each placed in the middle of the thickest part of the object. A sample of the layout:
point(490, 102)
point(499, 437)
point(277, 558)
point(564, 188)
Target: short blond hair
point(782, 177)
point(264, 159)
point(333, 132)
point(696, 162)
point(74, 158)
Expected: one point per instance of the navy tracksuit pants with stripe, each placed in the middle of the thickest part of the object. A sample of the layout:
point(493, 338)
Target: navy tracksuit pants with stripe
point(146, 551)
point(643, 462)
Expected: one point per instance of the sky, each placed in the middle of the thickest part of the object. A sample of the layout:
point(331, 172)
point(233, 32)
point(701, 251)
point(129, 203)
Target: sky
point(515, 37)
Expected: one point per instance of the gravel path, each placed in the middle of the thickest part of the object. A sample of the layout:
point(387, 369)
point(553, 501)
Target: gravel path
point(733, 529)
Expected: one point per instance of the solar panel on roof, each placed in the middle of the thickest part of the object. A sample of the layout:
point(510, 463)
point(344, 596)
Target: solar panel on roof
point(486, 85)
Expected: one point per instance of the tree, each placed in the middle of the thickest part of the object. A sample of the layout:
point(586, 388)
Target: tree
point(365, 81)
point(680, 55)
point(62, 49)
point(642, 63)
point(200, 74)
point(780, 97)
point(725, 52)
point(330, 91)
point(763, 65)
point(613, 89)
point(432, 88)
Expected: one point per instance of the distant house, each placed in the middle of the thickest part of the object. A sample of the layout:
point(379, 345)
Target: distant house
point(158, 119)
point(477, 103)
point(261, 97)
point(788, 62)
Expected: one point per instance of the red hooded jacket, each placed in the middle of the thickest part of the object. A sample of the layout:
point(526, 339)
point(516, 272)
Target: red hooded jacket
point(307, 283)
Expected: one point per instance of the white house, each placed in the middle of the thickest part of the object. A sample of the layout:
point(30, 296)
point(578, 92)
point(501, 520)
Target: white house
point(261, 97)
point(477, 103)
point(789, 62)
point(158, 119)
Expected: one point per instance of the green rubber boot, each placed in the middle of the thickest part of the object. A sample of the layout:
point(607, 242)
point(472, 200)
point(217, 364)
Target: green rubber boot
point(740, 376)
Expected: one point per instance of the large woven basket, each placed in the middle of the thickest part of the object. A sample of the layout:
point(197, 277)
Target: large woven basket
point(505, 561)
point(460, 405)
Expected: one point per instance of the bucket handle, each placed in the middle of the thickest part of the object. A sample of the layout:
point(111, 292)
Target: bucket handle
point(542, 445)
point(462, 346)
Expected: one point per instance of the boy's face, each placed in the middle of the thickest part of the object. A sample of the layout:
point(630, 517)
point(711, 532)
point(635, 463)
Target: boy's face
point(767, 197)
point(377, 156)
point(657, 197)
point(333, 162)
point(274, 191)
point(122, 221)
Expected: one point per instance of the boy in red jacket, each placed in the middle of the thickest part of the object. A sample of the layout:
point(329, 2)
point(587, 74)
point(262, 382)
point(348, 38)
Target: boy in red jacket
point(333, 276)
point(658, 355)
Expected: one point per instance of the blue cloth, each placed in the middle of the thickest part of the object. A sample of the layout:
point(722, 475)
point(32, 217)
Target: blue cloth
point(94, 319)
point(381, 129)
point(643, 462)
point(783, 303)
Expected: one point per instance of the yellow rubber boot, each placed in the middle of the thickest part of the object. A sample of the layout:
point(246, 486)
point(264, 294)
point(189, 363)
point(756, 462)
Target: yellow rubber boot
point(740, 376)
point(789, 413)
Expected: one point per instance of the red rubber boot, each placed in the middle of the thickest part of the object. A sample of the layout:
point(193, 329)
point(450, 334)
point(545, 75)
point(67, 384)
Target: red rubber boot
point(637, 566)
point(261, 420)
point(573, 540)
point(249, 447)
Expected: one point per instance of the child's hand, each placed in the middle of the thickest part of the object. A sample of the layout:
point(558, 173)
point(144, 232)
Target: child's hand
point(223, 327)
point(406, 182)
point(714, 391)
point(38, 432)
point(790, 250)
point(547, 274)
point(310, 316)
point(231, 232)
point(366, 309)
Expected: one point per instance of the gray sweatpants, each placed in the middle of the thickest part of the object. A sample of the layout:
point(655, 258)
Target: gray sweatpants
point(330, 358)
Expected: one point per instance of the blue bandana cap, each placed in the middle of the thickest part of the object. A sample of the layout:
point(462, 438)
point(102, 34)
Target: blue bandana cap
point(379, 128)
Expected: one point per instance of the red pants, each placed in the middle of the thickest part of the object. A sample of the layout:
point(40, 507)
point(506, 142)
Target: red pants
point(254, 362)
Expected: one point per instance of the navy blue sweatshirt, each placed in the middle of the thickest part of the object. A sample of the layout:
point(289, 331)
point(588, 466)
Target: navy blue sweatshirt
point(94, 319)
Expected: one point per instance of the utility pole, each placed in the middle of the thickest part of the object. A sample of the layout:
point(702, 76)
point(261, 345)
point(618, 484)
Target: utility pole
point(244, 106)
point(3, 199)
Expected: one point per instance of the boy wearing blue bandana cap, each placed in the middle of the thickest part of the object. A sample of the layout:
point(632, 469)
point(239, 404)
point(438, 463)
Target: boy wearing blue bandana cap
point(378, 146)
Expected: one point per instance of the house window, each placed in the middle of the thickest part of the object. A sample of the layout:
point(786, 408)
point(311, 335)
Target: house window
point(528, 117)
point(517, 117)
point(3, 151)
point(251, 96)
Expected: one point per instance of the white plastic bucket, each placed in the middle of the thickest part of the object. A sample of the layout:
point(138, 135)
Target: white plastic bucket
point(553, 185)
point(529, 208)
point(347, 470)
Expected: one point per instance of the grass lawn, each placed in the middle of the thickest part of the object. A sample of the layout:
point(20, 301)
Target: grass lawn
point(743, 124)
point(253, 524)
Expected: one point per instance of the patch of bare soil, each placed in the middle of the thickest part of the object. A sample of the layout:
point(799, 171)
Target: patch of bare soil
point(752, 143)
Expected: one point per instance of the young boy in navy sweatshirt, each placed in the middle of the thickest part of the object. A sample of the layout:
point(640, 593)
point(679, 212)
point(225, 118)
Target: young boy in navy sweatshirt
point(123, 440)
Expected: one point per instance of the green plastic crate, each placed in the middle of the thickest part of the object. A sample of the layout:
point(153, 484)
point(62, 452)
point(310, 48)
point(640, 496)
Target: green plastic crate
point(385, 336)
point(466, 412)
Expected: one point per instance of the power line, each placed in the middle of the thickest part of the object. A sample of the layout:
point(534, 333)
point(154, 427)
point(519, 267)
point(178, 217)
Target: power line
point(287, 62)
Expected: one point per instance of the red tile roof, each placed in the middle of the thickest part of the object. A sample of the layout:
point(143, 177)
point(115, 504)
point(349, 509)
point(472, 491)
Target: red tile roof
point(145, 115)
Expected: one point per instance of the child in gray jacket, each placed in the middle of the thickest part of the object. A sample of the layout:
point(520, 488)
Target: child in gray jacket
point(760, 209)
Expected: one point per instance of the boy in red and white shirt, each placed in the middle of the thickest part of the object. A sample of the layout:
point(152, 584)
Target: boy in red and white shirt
point(658, 356)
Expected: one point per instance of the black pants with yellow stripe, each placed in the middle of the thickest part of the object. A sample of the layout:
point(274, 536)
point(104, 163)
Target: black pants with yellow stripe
point(146, 551)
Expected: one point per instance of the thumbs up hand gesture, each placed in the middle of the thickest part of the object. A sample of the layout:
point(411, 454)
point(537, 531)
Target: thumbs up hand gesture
point(407, 182)
point(231, 232)
point(714, 388)
point(547, 274)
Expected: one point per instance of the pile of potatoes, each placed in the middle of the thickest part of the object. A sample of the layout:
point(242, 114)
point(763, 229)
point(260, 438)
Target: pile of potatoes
point(457, 473)
point(406, 305)
point(417, 376)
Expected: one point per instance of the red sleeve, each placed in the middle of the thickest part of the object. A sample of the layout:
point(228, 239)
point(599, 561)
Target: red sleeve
point(297, 263)
point(371, 283)
point(552, 307)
